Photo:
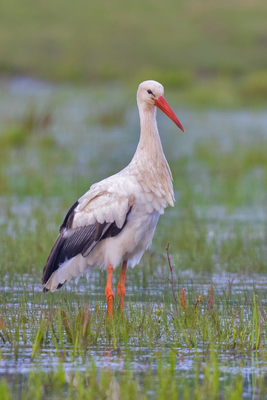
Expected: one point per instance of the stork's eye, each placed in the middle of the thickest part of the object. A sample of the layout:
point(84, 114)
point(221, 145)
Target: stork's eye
point(150, 92)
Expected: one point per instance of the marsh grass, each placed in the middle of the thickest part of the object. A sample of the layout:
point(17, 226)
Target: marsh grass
point(73, 329)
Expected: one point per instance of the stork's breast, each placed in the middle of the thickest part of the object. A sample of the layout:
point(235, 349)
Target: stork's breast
point(152, 201)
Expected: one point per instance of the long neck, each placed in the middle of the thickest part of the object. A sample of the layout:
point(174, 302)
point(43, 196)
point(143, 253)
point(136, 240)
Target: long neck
point(149, 135)
point(149, 146)
point(153, 168)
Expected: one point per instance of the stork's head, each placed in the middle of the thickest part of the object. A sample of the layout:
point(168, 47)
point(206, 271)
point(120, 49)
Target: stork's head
point(150, 94)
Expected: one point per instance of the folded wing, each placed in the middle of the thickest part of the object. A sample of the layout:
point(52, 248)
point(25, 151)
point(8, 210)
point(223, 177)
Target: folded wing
point(88, 221)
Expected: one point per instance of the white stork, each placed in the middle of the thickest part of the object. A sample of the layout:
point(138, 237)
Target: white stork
point(114, 222)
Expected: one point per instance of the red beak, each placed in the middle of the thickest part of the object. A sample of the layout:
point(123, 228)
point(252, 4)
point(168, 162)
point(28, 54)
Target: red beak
point(162, 104)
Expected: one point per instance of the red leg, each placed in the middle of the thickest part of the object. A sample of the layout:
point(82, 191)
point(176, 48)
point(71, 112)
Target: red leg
point(121, 284)
point(109, 292)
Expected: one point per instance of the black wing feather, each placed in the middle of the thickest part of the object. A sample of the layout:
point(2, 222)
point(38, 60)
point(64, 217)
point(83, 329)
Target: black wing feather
point(69, 217)
point(72, 242)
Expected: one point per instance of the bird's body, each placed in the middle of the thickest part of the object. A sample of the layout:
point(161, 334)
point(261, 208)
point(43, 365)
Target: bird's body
point(114, 222)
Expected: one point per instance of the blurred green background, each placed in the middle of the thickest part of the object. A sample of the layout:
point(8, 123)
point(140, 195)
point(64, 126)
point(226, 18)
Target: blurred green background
point(213, 52)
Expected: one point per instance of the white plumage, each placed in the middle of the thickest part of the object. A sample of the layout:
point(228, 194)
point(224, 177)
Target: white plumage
point(128, 204)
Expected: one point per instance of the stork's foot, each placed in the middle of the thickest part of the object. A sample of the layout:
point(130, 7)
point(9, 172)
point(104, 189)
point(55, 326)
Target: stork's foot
point(109, 292)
